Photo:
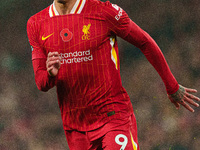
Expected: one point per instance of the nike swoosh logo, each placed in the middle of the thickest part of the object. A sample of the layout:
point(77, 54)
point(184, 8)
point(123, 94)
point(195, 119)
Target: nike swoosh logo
point(44, 38)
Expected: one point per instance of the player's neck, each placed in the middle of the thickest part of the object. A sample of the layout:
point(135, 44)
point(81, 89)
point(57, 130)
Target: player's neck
point(64, 7)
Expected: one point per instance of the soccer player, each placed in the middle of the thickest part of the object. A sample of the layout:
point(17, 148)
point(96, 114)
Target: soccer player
point(74, 48)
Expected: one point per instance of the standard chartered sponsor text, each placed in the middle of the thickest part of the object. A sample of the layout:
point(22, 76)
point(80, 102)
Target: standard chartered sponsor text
point(76, 57)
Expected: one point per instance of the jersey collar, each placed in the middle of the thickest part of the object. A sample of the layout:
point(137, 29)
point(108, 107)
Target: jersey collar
point(77, 8)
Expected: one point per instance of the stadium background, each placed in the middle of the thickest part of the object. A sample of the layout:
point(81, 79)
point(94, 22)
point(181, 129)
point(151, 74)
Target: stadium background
point(30, 119)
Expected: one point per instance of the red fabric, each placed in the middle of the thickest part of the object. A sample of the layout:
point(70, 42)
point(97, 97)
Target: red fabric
point(88, 83)
point(77, 140)
point(152, 52)
point(43, 80)
point(116, 134)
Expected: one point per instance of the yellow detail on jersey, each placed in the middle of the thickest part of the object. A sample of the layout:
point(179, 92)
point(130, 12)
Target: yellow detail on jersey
point(113, 52)
point(78, 7)
point(133, 142)
point(44, 38)
point(86, 32)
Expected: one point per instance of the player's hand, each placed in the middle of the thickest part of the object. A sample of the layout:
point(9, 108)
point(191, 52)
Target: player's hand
point(184, 98)
point(53, 63)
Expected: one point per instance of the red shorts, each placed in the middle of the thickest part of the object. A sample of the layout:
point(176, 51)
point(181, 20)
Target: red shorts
point(120, 134)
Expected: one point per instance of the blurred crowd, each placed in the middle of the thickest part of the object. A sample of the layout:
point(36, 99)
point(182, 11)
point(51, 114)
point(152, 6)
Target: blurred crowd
point(31, 120)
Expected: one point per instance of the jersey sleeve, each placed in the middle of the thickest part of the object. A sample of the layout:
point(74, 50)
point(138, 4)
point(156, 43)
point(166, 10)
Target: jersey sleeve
point(43, 80)
point(117, 19)
point(154, 55)
point(37, 50)
point(124, 27)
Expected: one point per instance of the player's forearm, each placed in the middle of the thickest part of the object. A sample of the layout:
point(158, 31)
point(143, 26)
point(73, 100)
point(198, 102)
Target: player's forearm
point(43, 80)
point(154, 55)
point(152, 52)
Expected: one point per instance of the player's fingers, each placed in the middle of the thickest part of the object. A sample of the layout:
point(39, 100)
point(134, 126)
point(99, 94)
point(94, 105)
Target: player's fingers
point(186, 106)
point(56, 54)
point(190, 90)
point(52, 63)
point(190, 101)
point(192, 97)
point(50, 68)
point(58, 64)
point(53, 59)
point(53, 54)
point(177, 105)
point(50, 54)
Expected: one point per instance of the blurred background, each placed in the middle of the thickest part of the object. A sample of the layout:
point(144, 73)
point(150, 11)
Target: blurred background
point(31, 120)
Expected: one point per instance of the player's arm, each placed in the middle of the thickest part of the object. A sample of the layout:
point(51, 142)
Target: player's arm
point(53, 63)
point(152, 52)
point(184, 97)
point(44, 66)
point(46, 70)
point(124, 27)
point(176, 93)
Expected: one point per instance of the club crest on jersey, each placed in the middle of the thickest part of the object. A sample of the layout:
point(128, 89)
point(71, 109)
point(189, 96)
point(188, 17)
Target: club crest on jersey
point(66, 35)
point(86, 31)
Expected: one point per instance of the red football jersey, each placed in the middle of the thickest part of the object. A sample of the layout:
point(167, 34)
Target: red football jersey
point(89, 87)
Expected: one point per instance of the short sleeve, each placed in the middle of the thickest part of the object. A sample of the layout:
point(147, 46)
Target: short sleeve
point(37, 50)
point(117, 19)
